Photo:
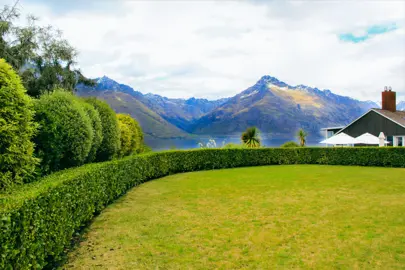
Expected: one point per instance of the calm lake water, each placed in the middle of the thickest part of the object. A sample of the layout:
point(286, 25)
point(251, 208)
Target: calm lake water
point(192, 142)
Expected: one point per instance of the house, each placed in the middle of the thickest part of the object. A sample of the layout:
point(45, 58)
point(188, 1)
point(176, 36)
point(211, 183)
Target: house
point(387, 120)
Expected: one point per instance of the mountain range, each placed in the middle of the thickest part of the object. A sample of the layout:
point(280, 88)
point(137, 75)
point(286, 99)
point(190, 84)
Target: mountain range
point(275, 107)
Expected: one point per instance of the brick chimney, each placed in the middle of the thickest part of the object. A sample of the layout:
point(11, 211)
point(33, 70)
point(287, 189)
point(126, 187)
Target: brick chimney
point(389, 102)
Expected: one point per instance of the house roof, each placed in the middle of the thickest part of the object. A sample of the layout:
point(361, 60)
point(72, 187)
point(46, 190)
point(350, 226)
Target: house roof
point(332, 128)
point(397, 117)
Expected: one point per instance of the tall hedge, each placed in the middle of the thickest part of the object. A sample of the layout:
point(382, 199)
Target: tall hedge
point(94, 116)
point(131, 135)
point(110, 144)
point(38, 221)
point(126, 139)
point(64, 138)
point(17, 163)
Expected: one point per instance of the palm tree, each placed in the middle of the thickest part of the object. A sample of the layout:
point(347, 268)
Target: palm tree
point(302, 137)
point(251, 137)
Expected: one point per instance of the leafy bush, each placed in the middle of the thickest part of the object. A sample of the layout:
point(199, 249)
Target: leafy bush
point(38, 220)
point(131, 135)
point(65, 133)
point(17, 163)
point(290, 144)
point(126, 139)
point(94, 116)
point(110, 145)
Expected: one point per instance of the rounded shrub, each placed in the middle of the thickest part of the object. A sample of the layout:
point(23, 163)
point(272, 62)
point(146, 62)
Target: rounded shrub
point(110, 144)
point(65, 131)
point(94, 116)
point(17, 163)
point(290, 145)
point(131, 135)
point(126, 139)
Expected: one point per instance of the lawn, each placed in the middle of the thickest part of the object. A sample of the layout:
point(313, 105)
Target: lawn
point(297, 216)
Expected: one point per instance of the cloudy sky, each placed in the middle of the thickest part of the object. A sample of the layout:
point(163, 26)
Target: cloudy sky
point(217, 49)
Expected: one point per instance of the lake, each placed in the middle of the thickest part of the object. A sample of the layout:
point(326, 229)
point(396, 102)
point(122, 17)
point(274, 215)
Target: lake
point(158, 144)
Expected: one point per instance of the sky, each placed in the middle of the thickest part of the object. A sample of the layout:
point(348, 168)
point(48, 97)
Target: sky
point(217, 49)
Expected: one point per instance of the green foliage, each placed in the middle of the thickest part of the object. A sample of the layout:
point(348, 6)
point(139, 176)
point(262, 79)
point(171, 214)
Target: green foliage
point(94, 116)
point(65, 132)
point(43, 57)
point(16, 130)
point(146, 149)
point(302, 137)
point(38, 220)
point(251, 137)
point(234, 146)
point(126, 139)
point(290, 144)
point(131, 135)
point(110, 145)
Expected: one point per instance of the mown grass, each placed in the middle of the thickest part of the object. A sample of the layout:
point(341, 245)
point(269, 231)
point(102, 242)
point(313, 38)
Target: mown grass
point(302, 216)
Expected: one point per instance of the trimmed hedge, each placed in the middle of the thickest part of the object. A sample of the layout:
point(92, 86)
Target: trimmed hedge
point(65, 133)
point(38, 220)
point(110, 144)
point(17, 163)
point(94, 117)
point(131, 135)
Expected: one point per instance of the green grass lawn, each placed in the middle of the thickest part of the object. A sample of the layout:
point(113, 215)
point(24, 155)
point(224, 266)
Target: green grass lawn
point(302, 216)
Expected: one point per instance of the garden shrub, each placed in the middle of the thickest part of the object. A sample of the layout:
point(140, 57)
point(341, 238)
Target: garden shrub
point(38, 220)
point(17, 163)
point(290, 144)
point(110, 144)
point(130, 129)
point(126, 139)
point(65, 133)
point(94, 116)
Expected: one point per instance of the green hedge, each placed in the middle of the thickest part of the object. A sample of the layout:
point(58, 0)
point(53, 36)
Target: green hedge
point(17, 163)
point(110, 144)
point(38, 220)
point(65, 133)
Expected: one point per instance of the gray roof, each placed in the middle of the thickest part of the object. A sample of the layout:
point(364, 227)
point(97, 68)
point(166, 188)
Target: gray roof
point(397, 117)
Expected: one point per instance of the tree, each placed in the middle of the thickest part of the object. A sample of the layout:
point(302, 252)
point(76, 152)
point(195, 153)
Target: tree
point(42, 57)
point(17, 127)
point(251, 137)
point(302, 137)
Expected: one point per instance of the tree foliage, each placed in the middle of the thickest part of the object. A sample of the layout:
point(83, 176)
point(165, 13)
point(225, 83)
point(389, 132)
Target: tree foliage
point(95, 119)
point(251, 137)
point(131, 135)
point(43, 58)
point(65, 131)
point(110, 144)
point(302, 137)
point(17, 163)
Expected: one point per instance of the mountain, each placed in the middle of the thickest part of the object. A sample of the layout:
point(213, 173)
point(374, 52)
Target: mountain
point(272, 105)
point(180, 112)
point(159, 116)
point(123, 99)
point(280, 109)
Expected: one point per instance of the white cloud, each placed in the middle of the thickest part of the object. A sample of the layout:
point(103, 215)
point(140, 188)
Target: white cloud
point(217, 49)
